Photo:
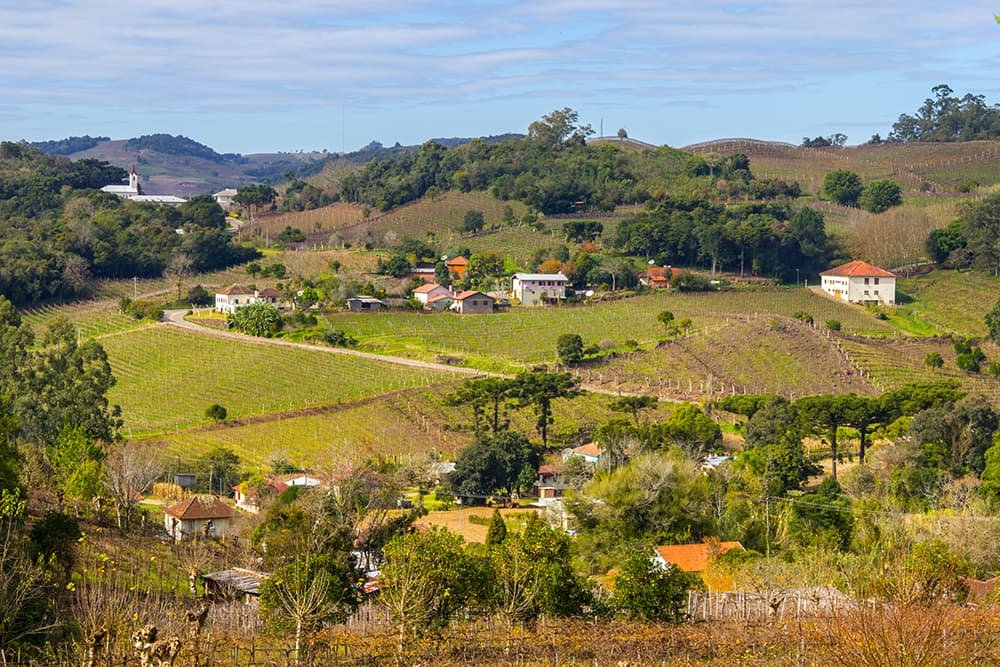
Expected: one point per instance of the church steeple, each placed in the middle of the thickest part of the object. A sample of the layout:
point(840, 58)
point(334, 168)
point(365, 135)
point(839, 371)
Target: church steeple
point(133, 181)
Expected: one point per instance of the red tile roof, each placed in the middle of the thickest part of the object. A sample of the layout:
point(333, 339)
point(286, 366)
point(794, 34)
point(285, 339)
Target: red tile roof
point(858, 269)
point(200, 507)
point(269, 292)
point(470, 292)
point(457, 261)
point(426, 287)
point(235, 289)
point(694, 557)
point(590, 449)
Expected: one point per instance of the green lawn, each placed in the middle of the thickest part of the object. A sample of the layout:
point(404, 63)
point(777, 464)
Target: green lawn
point(945, 301)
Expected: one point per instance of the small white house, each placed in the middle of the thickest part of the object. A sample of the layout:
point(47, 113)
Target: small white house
point(224, 198)
point(472, 302)
point(198, 516)
point(430, 292)
point(533, 289)
point(860, 282)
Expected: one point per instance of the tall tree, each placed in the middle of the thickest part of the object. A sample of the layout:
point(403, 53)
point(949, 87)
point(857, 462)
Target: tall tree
point(538, 389)
point(826, 414)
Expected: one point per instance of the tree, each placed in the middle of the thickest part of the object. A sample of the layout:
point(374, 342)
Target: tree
point(558, 128)
point(257, 319)
point(221, 466)
point(130, 470)
point(427, 578)
point(308, 592)
point(473, 221)
point(881, 195)
point(992, 320)
point(493, 464)
point(582, 231)
point(826, 414)
point(666, 318)
point(822, 518)
point(216, 412)
point(774, 450)
point(77, 461)
point(497, 531)
point(633, 405)
point(487, 396)
point(692, 430)
point(538, 389)
point(569, 347)
point(980, 222)
point(659, 497)
point(934, 360)
point(622, 134)
point(843, 187)
point(23, 589)
point(647, 591)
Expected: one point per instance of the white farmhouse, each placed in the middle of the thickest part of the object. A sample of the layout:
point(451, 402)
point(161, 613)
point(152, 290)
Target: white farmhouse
point(532, 289)
point(430, 292)
point(860, 282)
point(234, 297)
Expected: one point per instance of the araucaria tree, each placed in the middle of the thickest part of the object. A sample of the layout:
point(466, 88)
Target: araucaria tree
point(538, 389)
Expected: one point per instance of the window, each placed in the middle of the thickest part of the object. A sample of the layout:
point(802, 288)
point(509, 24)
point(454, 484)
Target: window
point(866, 282)
point(876, 282)
point(866, 292)
point(876, 292)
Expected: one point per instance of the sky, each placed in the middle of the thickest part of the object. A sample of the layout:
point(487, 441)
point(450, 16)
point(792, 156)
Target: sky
point(260, 76)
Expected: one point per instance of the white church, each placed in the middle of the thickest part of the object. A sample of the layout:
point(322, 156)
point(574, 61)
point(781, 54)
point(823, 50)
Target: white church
point(133, 191)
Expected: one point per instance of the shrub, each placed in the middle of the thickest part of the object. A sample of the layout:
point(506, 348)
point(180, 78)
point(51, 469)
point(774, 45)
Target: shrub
point(803, 316)
point(833, 325)
point(570, 348)
point(994, 369)
point(339, 338)
point(881, 195)
point(646, 591)
point(934, 360)
point(215, 412)
point(967, 362)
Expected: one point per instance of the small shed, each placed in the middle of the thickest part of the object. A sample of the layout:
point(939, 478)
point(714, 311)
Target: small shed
point(364, 304)
point(233, 584)
point(185, 480)
point(472, 302)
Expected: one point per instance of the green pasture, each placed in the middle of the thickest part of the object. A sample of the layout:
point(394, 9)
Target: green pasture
point(167, 378)
point(945, 302)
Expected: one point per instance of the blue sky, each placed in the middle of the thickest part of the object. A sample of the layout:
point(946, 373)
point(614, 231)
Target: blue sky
point(259, 75)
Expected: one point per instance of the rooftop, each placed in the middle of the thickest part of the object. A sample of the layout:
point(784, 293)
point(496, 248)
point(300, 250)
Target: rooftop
point(858, 269)
point(541, 276)
point(235, 289)
point(470, 292)
point(694, 557)
point(200, 507)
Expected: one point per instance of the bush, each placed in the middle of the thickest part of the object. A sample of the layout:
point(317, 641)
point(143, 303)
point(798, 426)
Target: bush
point(691, 282)
point(339, 338)
point(994, 369)
point(967, 361)
point(833, 325)
point(257, 319)
point(473, 221)
point(199, 296)
point(216, 412)
point(881, 195)
point(570, 348)
point(934, 360)
point(803, 316)
point(646, 591)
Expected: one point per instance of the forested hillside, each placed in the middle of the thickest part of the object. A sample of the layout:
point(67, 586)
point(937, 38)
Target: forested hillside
point(58, 231)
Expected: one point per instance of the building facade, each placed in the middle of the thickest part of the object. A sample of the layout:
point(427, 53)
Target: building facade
point(860, 282)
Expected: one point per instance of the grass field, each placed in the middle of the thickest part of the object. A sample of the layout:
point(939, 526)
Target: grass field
point(949, 301)
point(167, 378)
point(91, 318)
point(527, 335)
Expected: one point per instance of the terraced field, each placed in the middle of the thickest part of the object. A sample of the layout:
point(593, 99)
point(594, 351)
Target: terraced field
point(764, 355)
point(167, 378)
point(505, 341)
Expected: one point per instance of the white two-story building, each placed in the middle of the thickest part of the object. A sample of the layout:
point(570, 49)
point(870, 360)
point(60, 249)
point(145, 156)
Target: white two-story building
point(860, 282)
point(533, 289)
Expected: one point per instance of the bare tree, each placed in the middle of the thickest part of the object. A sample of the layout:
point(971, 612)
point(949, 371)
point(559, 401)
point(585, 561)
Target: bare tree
point(130, 471)
point(194, 556)
point(178, 269)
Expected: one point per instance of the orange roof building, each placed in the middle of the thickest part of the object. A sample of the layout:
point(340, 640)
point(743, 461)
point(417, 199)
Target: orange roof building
point(457, 265)
point(693, 557)
point(860, 282)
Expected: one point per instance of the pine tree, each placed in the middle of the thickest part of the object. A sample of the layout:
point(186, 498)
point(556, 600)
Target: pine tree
point(497, 531)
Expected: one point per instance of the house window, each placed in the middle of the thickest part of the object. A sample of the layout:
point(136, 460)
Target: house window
point(866, 281)
point(876, 282)
point(866, 292)
point(876, 292)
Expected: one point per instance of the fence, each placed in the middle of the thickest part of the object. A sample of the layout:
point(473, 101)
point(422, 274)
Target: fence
point(762, 606)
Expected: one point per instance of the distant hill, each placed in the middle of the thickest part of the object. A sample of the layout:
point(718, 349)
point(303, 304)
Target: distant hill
point(178, 165)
